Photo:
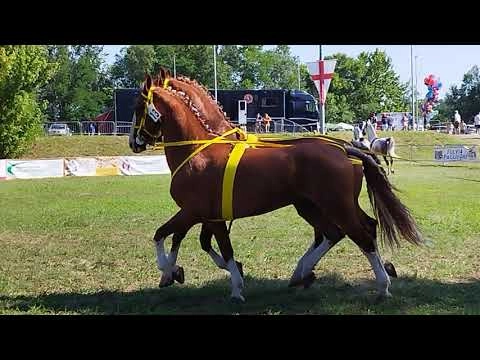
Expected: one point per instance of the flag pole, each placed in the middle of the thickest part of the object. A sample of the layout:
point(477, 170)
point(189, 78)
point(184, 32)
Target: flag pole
point(321, 108)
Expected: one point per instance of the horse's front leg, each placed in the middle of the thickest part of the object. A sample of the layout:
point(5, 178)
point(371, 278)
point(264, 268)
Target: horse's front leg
point(391, 165)
point(178, 225)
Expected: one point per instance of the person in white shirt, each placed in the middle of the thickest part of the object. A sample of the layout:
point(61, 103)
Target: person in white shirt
point(476, 121)
point(456, 122)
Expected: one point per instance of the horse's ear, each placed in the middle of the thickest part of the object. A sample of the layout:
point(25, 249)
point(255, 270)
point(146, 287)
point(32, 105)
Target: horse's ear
point(148, 82)
point(168, 74)
point(162, 73)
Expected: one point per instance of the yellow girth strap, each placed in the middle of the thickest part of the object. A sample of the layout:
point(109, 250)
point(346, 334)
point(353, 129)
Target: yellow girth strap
point(229, 179)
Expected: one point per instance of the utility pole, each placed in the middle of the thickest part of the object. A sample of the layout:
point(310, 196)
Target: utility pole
point(413, 95)
point(215, 68)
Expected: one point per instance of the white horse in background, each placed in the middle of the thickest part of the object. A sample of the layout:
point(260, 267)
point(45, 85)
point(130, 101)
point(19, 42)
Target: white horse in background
point(359, 138)
point(381, 146)
point(359, 141)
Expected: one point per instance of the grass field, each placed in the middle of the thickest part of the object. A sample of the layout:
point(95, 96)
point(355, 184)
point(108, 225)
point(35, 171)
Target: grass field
point(84, 246)
point(55, 146)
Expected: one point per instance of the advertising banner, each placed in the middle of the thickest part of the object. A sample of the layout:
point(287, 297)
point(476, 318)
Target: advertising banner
point(31, 169)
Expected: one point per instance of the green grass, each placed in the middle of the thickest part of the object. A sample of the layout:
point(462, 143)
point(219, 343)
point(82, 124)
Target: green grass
point(63, 146)
point(68, 146)
point(84, 246)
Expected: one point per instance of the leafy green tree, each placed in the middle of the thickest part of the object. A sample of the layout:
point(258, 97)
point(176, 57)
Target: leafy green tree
point(23, 71)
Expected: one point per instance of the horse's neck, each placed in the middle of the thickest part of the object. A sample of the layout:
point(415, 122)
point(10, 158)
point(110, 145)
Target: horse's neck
point(182, 124)
point(371, 133)
point(216, 120)
point(356, 133)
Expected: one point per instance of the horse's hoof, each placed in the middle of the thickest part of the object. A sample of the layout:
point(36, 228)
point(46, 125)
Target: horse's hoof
point(295, 281)
point(390, 269)
point(165, 283)
point(308, 280)
point(239, 299)
point(240, 268)
point(383, 297)
point(179, 275)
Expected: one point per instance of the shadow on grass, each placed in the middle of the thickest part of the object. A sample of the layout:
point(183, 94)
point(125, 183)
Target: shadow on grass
point(329, 295)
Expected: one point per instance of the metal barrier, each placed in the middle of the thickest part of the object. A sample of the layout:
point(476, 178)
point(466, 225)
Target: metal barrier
point(99, 128)
point(67, 128)
point(427, 153)
point(123, 127)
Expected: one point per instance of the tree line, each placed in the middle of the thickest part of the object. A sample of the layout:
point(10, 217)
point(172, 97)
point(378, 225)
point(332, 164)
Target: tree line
point(74, 83)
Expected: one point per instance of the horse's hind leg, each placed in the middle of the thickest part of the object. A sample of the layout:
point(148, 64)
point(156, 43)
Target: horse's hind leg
point(391, 165)
point(206, 242)
point(387, 163)
point(366, 241)
point(219, 229)
point(326, 236)
point(371, 225)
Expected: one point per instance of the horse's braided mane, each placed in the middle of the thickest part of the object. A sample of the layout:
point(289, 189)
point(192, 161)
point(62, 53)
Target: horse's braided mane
point(189, 103)
point(207, 93)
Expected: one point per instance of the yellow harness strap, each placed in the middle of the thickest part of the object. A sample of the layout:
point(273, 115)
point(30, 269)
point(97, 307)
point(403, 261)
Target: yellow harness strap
point(206, 143)
point(229, 178)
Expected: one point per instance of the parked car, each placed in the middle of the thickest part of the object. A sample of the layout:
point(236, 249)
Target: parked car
point(59, 129)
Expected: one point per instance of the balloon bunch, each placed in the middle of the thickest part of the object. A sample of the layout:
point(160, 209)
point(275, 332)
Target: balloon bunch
point(431, 99)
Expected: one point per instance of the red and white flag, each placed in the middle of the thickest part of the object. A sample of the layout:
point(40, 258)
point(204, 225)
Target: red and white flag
point(321, 73)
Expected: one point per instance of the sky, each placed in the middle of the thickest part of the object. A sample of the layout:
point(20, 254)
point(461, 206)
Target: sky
point(448, 62)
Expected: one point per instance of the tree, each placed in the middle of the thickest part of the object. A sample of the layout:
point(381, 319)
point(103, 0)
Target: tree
point(23, 71)
point(363, 85)
point(81, 87)
point(465, 99)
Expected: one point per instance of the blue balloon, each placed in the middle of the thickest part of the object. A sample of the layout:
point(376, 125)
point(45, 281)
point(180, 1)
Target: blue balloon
point(439, 85)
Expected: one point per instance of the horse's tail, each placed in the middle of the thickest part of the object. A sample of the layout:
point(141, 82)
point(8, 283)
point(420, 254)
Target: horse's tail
point(394, 218)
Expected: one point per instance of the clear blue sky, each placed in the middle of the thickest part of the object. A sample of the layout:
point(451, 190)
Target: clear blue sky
point(449, 62)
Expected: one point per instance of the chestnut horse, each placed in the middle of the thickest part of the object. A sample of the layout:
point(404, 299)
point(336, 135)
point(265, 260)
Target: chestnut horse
point(317, 177)
point(218, 124)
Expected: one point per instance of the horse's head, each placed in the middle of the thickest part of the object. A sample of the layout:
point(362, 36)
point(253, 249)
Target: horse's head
point(147, 119)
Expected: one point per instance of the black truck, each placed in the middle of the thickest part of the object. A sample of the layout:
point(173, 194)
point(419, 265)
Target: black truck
point(295, 106)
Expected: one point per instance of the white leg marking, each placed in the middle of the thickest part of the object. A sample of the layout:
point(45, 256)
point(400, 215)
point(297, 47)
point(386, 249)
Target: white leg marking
point(217, 259)
point(381, 276)
point(162, 261)
point(297, 273)
point(314, 257)
point(237, 281)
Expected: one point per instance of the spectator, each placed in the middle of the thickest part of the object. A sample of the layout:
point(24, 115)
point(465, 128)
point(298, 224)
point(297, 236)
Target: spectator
point(404, 122)
point(456, 122)
point(91, 128)
point(476, 121)
point(267, 120)
point(384, 122)
point(258, 123)
point(390, 123)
